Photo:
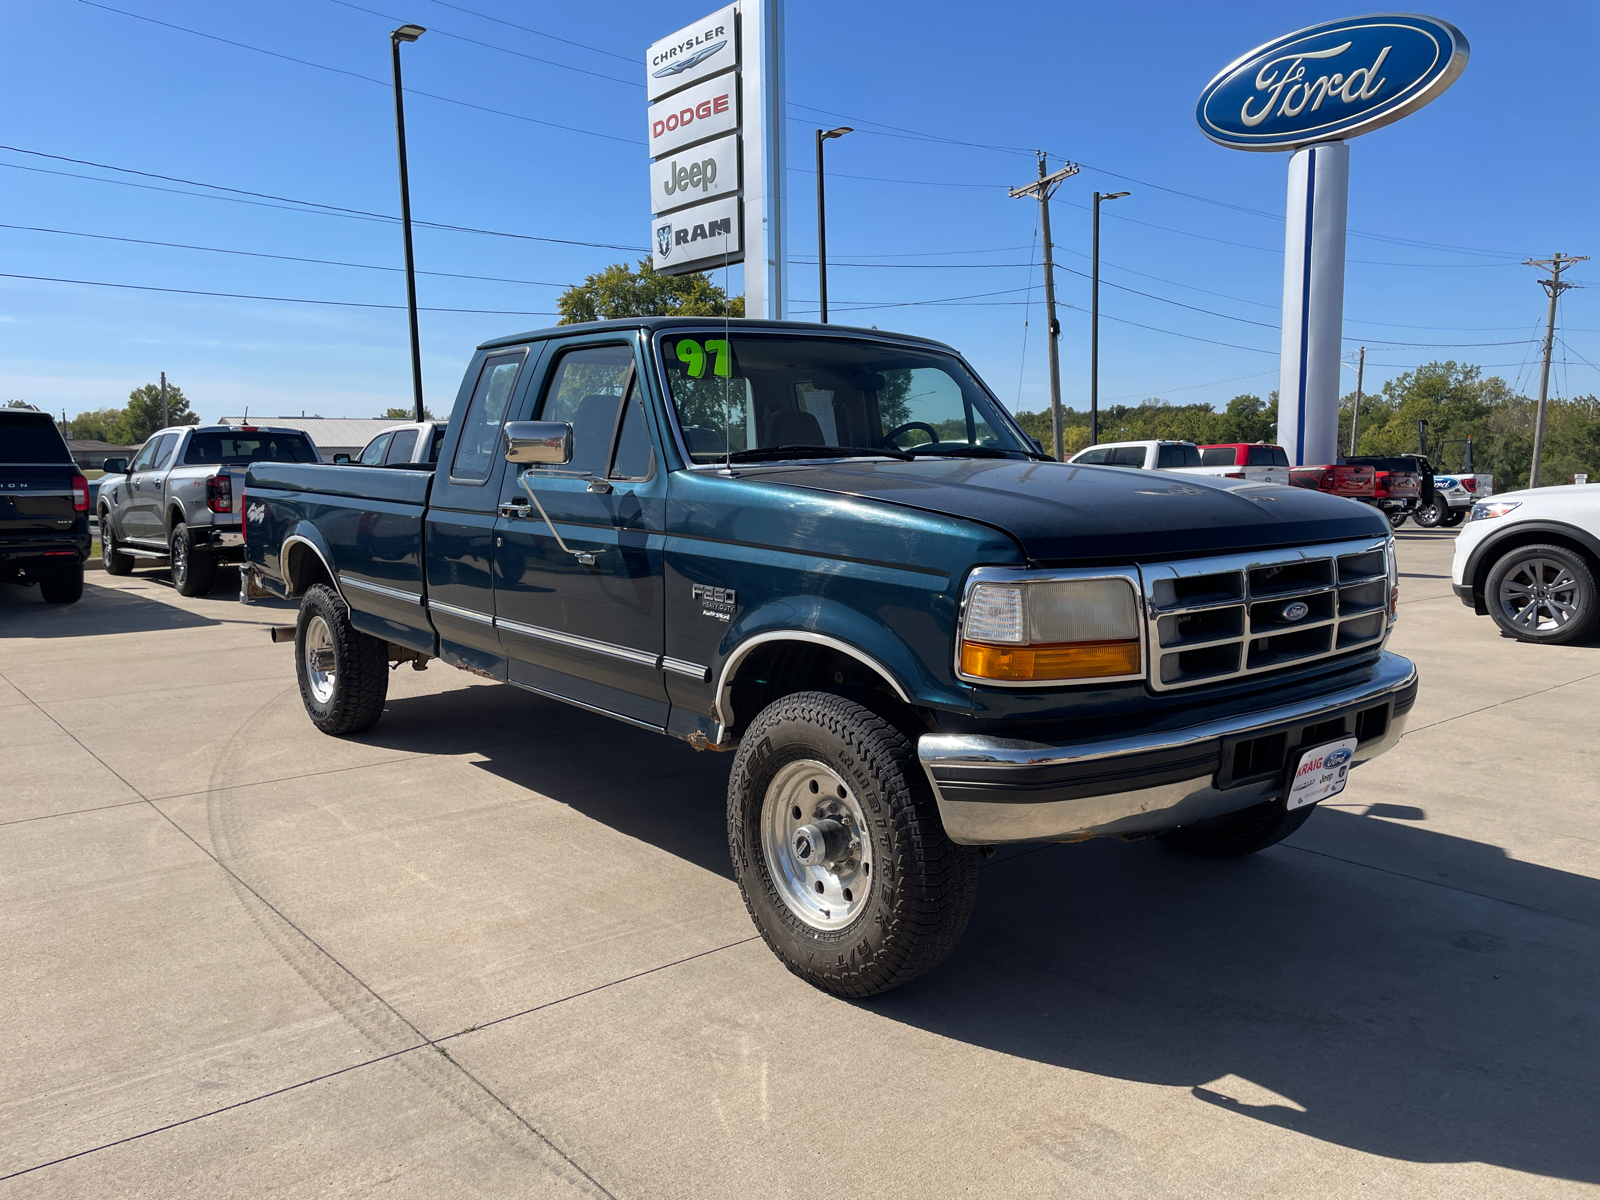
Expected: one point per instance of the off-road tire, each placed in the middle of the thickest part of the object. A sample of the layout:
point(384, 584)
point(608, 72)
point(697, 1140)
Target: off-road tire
point(62, 584)
point(1457, 515)
point(193, 570)
point(1586, 599)
point(1433, 514)
point(922, 885)
point(1235, 834)
point(360, 667)
point(116, 562)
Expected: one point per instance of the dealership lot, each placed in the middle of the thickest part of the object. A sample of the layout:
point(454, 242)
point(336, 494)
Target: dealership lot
point(494, 948)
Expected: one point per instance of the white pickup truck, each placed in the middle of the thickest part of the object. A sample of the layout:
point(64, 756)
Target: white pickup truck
point(1148, 456)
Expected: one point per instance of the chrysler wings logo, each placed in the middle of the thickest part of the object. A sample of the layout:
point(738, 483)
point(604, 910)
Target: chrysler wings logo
point(683, 64)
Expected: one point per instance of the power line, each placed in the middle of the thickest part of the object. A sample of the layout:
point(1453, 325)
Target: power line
point(325, 262)
point(305, 62)
point(537, 32)
point(145, 287)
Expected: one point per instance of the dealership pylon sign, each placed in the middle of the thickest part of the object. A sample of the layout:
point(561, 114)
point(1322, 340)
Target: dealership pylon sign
point(716, 134)
point(1307, 92)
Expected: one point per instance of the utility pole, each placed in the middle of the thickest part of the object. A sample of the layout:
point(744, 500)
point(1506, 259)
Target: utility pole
point(164, 421)
point(407, 33)
point(1553, 287)
point(1043, 188)
point(1094, 321)
point(1355, 414)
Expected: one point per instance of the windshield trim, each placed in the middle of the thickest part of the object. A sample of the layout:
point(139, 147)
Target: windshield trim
point(909, 342)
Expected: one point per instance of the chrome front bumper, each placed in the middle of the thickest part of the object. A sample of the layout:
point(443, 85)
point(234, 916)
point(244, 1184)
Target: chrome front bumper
point(994, 790)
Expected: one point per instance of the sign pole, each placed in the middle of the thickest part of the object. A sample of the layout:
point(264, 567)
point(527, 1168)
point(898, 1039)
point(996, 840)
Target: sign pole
point(1313, 303)
point(766, 210)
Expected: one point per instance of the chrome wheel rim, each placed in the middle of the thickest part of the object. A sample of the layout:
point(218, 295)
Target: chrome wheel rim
point(816, 844)
point(108, 542)
point(180, 559)
point(1539, 595)
point(319, 647)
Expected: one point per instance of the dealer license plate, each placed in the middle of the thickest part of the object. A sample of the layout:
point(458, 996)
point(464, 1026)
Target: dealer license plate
point(1321, 773)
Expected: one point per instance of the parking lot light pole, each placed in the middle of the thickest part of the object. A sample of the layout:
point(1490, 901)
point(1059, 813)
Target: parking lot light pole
point(822, 219)
point(1094, 322)
point(407, 33)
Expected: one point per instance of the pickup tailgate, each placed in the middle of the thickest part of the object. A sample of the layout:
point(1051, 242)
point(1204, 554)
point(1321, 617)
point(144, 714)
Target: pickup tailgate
point(364, 524)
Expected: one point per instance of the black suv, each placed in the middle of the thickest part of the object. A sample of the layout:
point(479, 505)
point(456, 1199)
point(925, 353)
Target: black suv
point(44, 507)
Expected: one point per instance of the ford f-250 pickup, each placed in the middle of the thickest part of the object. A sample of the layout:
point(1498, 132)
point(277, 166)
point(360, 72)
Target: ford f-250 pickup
point(834, 552)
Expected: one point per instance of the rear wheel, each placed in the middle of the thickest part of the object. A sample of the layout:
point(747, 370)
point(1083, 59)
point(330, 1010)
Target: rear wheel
point(1397, 517)
point(116, 562)
point(1455, 518)
point(1542, 594)
point(63, 584)
point(343, 673)
point(193, 569)
point(1236, 834)
point(838, 849)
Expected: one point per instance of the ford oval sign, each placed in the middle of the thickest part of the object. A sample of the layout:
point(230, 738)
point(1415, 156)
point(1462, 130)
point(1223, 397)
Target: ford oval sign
point(1337, 758)
point(1331, 81)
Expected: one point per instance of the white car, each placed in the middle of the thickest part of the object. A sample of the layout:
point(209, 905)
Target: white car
point(399, 445)
point(1148, 456)
point(1453, 495)
point(1529, 559)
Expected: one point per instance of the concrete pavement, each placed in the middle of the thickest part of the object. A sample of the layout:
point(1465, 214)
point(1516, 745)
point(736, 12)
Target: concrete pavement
point(493, 948)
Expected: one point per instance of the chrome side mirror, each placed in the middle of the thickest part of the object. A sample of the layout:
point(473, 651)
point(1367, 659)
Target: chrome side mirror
point(546, 442)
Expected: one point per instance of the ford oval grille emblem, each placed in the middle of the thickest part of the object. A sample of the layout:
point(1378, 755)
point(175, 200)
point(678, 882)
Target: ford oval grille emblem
point(1295, 610)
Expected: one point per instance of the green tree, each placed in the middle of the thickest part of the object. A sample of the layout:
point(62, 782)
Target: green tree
point(18, 404)
point(142, 417)
point(94, 425)
point(405, 414)
point(620, 292)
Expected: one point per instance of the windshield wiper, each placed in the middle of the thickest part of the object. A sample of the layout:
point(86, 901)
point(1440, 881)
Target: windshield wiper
point(775, 453)
point(980, 452)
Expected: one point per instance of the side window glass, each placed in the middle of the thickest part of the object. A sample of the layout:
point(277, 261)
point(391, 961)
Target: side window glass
point(438, 440)
point(1169, 456)
point(1126, 456)
point(372, 456)
point(1280, 456)
point(1220, 456)
point(635, 457)
point(1093, 458)
point(405, 441)
point(586, 391)
point(142, 461)
point(169, 443)
point(480, 428)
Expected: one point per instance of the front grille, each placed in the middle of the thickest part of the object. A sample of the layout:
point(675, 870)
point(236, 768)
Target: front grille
point(1214, 619)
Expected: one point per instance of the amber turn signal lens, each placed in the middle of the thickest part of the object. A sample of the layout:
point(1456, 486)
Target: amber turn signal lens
point(1065, 660)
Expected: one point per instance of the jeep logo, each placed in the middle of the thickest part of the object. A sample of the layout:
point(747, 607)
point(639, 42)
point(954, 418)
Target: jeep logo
point(697, 175)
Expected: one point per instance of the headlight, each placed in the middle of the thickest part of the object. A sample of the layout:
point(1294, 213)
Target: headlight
point(1486, 509)
point(1051, 629)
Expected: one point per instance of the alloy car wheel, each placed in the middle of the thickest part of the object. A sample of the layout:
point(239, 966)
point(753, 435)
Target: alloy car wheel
point(1542, 594)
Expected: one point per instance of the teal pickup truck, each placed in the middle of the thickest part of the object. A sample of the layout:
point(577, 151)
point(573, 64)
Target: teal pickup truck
point(834, 553)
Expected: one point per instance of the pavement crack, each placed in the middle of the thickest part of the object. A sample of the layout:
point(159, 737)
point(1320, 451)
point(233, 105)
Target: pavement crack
point(1498, 703)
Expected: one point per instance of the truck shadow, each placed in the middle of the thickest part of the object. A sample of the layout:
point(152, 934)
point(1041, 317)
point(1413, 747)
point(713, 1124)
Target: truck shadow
point(103, 610)
point(1371, 983)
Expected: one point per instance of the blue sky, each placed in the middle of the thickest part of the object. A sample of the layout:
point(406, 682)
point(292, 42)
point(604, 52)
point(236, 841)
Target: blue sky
point(948, 101)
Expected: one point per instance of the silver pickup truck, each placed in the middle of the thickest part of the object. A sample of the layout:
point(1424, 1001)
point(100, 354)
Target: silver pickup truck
point(177, 501)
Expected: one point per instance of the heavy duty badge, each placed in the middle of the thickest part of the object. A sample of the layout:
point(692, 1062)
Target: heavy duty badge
point(718, 603)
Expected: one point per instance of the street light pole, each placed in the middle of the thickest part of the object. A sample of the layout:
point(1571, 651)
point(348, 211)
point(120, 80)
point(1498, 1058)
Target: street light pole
point(822, 219)
point(407, 33)
point(1094, 323)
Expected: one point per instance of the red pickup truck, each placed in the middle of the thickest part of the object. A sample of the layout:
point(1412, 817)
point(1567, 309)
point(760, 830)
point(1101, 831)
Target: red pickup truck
point(1337, 479)
point(1404, 484)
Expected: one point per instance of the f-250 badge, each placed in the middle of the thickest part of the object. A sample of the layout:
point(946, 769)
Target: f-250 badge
point(715, 602)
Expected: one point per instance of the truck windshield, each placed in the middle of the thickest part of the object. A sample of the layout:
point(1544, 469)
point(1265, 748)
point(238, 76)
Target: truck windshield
point(241, 449)
point(770, 396)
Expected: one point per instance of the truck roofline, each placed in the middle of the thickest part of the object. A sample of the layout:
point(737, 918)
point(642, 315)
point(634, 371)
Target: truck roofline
point(745, 324)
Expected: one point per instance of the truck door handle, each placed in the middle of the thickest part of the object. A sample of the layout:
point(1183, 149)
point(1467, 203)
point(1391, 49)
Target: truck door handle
point(514, 509)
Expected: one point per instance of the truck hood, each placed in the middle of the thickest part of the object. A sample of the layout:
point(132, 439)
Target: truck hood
point(1060, 512)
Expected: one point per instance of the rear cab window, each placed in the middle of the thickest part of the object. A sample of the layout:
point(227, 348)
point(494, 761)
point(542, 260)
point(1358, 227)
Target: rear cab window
point(1268, 456)
point(405, 441)
point(1223, 456)
point(242, 449)
point(1126, 456)
point(1168, 457)
point(31, 438)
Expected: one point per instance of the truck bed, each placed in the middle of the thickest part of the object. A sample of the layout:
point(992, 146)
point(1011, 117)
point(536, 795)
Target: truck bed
point(366, 526)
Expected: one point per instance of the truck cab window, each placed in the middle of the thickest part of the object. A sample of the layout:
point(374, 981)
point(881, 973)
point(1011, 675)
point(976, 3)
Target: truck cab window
point(1092, 458)
point(372, 456)
point(405, 441)
point(635, 458)
point(141, 462)
point(587, 391)
point(480, 427)
point(1224, 456)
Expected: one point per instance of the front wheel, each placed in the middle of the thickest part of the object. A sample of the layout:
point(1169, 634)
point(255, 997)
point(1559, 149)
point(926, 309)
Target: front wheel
point(116, 562)
point(343, 673)
point(1457, 515)
point(838, 849)
point(1542, 594)
point(1397, 517)
point(1433, 514)
point(193, 569)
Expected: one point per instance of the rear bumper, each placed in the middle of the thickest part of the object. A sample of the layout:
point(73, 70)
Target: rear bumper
point(44, 550)
point(994, 790)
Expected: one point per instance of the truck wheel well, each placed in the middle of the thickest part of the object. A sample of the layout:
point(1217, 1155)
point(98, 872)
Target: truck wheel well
point(1541, 537)
point(175, 517)
point(781, 668)
point(303, 568)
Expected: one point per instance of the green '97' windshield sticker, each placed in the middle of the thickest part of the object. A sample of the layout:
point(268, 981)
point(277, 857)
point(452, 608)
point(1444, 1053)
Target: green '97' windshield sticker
point(693, 355)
